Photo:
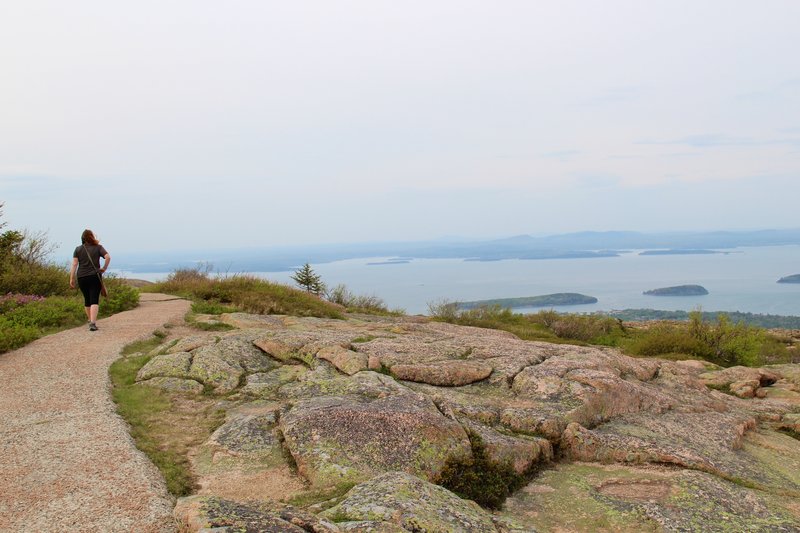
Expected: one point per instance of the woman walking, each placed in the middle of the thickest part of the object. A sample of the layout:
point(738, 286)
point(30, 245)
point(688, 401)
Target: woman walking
point(86, 261)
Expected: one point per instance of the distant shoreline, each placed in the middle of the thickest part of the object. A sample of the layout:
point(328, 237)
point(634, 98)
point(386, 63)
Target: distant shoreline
point(545, 300)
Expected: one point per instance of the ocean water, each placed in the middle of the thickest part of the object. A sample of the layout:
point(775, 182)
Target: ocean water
point(743, 279)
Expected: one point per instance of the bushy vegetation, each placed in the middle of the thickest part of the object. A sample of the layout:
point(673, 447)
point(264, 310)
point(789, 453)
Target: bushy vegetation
point(243, 292)
point(354, 303)
point(35, 297)
point(752, 319)
point(481, 479)
point(721, 341)
point(545, 325)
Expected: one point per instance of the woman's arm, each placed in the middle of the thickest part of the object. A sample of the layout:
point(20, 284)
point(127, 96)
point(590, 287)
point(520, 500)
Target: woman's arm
point(72, 272)
point(107, 257)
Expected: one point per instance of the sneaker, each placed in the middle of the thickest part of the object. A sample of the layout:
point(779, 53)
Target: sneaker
point(92, 326)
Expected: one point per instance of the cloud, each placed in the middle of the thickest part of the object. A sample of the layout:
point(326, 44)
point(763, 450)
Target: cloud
point(561, 154)
point(616, 95)
point(714, 140)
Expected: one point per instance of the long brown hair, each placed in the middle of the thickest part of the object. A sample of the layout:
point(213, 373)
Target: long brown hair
point(87, 237)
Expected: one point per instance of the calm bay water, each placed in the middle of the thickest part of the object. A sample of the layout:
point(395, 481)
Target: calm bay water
point(742, 280)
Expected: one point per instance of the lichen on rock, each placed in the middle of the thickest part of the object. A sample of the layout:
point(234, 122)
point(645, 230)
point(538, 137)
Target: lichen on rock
point(413, 504)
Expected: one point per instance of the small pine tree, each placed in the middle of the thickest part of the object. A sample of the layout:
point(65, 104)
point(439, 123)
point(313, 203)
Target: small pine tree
point(309, 280)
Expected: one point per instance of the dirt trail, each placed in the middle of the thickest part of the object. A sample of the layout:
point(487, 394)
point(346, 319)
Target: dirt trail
point(67, 462)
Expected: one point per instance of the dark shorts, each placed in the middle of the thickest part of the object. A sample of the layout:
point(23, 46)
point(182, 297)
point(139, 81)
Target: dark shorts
point(90, 287)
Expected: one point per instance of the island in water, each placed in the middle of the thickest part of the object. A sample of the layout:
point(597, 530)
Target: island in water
point(679, 290)
point(545, 300)
point(680, 252)
point(390, 262)
point(794, 278)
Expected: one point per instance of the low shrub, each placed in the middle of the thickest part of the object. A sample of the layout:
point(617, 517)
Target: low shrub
point(586, 328)
point(53, 312)
point(722, 343)
point(481, 479)
point(211, 307)
point(39, 279)
point(245, 293)
point(121, 297)
point(13, 336)
point(21, 323)
point(545, 326)
point(666, 338)
point(355, 303)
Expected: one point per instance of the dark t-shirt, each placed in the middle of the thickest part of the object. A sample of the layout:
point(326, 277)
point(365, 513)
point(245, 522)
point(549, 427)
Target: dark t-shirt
point(85, 267)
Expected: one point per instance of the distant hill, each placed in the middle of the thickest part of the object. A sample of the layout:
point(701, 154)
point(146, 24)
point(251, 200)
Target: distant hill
point(679, 290)
point(590, 245)
point(679, 252)
point(545, 300)
point(794, 278)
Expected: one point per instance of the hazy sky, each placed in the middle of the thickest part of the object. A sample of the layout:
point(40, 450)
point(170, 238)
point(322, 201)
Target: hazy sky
point(185, 124)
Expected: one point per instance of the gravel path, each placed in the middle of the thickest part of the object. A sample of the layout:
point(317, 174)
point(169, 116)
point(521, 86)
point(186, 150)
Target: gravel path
point(67, 462)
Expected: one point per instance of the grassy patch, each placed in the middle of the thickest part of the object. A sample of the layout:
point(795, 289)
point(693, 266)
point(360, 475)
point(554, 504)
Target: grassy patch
point(317, 496)
point(191, 320)
point(164, 426)
point(481, 479)
point(145, 345)
point(244, 293)
point(210, 307)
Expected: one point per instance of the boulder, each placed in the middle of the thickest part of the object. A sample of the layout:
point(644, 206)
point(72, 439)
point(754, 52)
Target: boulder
point(739, 374)
point(186, 386)
point(267, 384)
point(192, 342)
point(791, 422)
point(247, 434)
point(443, 373)
point(523, 453)
point(175, 365)
point(413, 504)
point(213, 371)
point(745, 388)
point(240, 352)
point(204, 513)
point(345, 360)
point(336, 439)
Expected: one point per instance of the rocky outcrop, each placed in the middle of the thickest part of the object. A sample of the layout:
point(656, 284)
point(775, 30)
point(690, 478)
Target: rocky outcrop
point(378, 406)
point(411, 504)
point(203, 513)
point(337, 439)
point(443, 373)
point(741, 381)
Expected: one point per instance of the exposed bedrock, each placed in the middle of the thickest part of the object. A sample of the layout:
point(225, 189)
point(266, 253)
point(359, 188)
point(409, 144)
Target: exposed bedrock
point(378, 406)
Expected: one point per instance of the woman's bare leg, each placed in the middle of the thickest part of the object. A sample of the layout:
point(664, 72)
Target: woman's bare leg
point(93, 313)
